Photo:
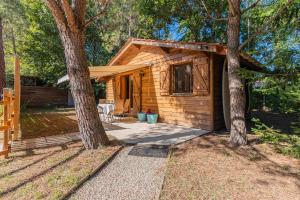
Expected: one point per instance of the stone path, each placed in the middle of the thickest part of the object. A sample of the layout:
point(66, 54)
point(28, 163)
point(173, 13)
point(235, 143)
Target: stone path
point(136, 173)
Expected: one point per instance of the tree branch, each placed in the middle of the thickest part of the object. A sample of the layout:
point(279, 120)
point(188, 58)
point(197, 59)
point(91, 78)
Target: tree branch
point(79, 8)
point(56, 11)
point(262, 29)
point(69, 15)
point(235, 11)
point(104, 6)
point(209, 15)
point(250, 7)
point(92, 19)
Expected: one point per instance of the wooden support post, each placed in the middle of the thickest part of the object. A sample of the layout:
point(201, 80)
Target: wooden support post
point(10, 108)
point(5, 122)
point(17, 99)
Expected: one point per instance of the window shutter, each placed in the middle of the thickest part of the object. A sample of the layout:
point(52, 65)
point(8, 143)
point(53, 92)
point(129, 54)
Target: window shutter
point(201, 76)
point(165, 82)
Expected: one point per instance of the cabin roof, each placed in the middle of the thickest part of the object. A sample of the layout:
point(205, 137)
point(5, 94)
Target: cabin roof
point(215, 48)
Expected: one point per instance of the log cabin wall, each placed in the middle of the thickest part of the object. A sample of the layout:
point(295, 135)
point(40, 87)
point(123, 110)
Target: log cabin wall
point(191, 110)
point(110, 89)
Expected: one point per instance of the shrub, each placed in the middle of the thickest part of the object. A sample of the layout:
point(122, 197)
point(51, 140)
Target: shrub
point(283, 143)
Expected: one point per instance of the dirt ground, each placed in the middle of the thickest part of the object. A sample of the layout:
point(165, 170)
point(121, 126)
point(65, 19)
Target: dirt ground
point(207, 168)
point(48, 173)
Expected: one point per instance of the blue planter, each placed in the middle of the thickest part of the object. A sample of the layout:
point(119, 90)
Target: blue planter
point(141, 116)
point(152, 118)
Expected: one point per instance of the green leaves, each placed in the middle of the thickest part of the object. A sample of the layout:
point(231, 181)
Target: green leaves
point(283, 143)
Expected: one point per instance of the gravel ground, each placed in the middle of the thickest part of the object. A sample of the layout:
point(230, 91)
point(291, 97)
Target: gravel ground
point(136, 173)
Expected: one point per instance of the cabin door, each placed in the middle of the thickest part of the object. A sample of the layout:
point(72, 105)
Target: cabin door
point(131, 91)
point(125, 93)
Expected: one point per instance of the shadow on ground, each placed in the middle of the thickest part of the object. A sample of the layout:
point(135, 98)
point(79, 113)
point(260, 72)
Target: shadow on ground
point(157, 151)
point(208, 168)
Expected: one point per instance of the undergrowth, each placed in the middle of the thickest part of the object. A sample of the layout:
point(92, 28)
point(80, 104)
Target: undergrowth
point(283, 143)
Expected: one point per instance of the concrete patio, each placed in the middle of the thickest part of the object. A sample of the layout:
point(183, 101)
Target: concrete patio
point(156, 134)
point(129, 131)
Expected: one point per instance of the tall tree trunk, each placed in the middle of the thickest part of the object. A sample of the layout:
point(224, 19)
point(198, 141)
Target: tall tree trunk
point(91, 129)
point(70, 20)
point(236, 87)
point(2, 61)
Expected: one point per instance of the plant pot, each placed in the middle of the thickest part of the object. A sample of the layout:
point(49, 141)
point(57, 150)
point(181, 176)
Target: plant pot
point(152, 118)
point(141, 116)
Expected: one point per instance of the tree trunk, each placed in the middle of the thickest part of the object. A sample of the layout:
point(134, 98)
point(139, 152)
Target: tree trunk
point(91, 129)
point(236, 87)
point(2, 61)
point(70, 23)
point(90, 126)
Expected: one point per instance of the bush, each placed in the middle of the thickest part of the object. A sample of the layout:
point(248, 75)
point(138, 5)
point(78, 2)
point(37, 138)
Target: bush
point(283, 143)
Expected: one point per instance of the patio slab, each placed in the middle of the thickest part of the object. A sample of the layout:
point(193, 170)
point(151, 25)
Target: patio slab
point(154, 134)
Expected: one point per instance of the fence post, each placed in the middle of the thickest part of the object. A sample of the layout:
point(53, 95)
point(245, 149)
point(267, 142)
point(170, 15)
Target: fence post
point(5, 121)
point(17, 99)
point(10, 109)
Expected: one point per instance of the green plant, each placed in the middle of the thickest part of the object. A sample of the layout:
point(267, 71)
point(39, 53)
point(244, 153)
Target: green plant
point(283, 143)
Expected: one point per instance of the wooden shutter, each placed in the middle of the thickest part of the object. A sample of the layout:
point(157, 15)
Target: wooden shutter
point(201, 76)
point(136, 92)
point(165, 82)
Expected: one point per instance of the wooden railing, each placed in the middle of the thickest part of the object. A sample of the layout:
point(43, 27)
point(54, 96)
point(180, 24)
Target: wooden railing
point(10, 125)
point(9, 122)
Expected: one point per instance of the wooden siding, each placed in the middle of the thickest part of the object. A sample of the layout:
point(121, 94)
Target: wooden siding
point(194, 111)
point(110, 89)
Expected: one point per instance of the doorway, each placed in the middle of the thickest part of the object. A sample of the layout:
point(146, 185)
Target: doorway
point(127, 89)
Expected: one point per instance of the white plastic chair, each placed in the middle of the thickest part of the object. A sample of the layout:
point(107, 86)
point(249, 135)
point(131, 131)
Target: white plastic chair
point(101, 114)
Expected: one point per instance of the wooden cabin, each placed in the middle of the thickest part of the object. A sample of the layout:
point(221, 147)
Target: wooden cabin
point(182, 82)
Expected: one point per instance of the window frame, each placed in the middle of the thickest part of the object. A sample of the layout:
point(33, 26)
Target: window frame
point(173, 92)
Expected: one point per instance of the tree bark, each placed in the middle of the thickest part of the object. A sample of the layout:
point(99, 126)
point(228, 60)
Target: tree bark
point(238, 134)
point(2, 61)
point(68, 23)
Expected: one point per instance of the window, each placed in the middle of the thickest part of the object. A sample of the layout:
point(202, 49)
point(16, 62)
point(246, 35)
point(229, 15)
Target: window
point(182, 78)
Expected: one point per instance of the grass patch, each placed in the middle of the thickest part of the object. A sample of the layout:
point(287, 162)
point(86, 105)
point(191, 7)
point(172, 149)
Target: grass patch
point(48, 122)
point(287, 144)
point(48, 173)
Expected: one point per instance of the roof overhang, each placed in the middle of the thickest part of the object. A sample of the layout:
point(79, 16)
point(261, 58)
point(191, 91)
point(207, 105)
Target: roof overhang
point(104, 71)
point(63, 79)
point(133, 45)
point(98, 72)
point(195, 46)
